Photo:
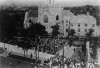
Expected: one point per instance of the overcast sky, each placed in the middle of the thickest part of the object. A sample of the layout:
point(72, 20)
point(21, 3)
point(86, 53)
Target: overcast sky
point(63, 2)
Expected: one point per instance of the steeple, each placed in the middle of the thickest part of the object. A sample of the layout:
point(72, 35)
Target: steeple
point(50, 2)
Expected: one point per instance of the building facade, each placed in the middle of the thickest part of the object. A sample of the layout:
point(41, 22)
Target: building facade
point(81, 24)
point(51, 14)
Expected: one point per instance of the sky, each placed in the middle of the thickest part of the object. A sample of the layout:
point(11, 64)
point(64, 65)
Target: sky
point(62, 2)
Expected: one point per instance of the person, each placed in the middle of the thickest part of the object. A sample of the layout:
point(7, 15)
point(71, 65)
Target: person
point(5, 50)
point(31, 55)
point(82, 65)
point(90, 65)
point(74, 49)
point(65, 66)
point(77, 65)
point(72, 65)
point(50, 63)
point(9, 53)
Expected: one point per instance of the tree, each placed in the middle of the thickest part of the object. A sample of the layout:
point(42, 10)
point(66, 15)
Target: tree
point(96, 43)
point(55, 31)
point(21, 43)
point(82, 57)
point(11, 22)
point(90, 33)
point(89, 38)
point(70, 36)
point(31, 36)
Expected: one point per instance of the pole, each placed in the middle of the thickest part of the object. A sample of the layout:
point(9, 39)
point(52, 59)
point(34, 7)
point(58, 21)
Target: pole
point(38, 55)
point(63, 55)
point(87, 44)
point(8, 47)
point(98, 55)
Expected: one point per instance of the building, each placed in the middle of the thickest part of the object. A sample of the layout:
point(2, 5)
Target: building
point(81, 24)
point(51, 14)
point(98, 29)
point(67, 17)
point(31, 17)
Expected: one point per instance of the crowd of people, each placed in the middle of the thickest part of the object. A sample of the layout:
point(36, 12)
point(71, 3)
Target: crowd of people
point(51, 46)
point(48, 46)
point(63, 62)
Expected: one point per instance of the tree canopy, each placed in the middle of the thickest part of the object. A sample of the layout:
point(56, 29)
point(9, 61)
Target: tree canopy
point(32, 34)
point(89, 33)
point(70, 36)
point(55, 31)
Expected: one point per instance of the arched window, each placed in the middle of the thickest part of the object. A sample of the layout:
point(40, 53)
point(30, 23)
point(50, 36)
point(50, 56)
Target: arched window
point(57, 17)
point(45, 19)
point(66, 21)
point(30, 21)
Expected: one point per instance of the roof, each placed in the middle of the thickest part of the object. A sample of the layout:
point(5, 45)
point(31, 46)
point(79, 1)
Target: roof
point(83, 19)
point(67, 13)
point(75, 54)
point(33, 13)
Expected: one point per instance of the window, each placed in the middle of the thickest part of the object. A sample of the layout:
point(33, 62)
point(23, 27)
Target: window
point(30, 21)
point(66, 24)
point(66, 30)
point(93, 30)
point(86, 25)
point(45, 19)
point(57, 17)
point(85, 30)
point(93, 25)
point(78, 34)
point(78, 24)
point(66, 21)
point(78, 29)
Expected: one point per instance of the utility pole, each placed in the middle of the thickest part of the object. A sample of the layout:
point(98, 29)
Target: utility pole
point(36, 51)
point(63, 55)
point(38, 55)
point(98, 55)
point(87, 46)
point(65, 42)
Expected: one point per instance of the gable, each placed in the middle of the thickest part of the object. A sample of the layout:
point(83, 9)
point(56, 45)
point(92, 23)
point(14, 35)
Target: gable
point(46, 13)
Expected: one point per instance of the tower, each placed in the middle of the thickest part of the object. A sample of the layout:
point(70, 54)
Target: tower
point(50, 2)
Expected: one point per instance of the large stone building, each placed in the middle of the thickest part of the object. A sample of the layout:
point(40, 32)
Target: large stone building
point(51, 14)
point(81, 24)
